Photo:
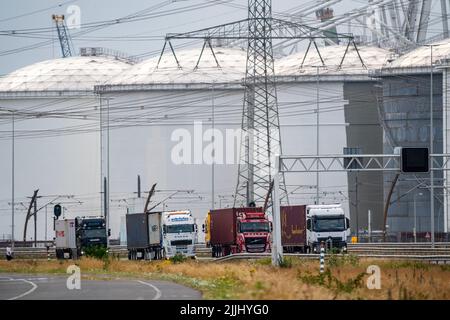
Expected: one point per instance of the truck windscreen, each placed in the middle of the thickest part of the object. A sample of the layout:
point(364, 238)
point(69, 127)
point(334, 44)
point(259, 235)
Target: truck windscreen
point(329, 224)
point(254, 227)
point(94, 233)
point(178, 228)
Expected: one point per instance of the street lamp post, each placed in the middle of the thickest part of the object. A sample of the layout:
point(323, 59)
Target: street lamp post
point(415, 216)
point(317, 134)
point(214, 147)
point(12, 179)
point(431, 148)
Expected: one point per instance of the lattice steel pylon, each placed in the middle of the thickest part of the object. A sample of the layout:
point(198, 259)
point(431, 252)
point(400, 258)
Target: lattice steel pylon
point(261, 139)
point(63, 35)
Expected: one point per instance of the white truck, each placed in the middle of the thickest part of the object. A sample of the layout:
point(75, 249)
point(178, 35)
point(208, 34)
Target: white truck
point(327, 224)
point(179, 233)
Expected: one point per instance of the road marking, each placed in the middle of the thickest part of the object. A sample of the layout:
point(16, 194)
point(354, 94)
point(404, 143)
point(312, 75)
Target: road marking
point(158, 292)
point(26, 293)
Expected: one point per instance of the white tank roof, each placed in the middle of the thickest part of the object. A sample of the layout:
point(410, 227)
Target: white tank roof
point(232, 64)
point(373, 58)
point(420, 57)
point(80, 73)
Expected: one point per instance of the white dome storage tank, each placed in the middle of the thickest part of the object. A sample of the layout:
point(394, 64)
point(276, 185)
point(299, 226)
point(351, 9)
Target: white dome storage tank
point(57, 144)
point(155, 110)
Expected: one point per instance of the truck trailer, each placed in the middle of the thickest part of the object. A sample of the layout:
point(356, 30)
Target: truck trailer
point(236, 230)
point(144, 236)
point(74, 236)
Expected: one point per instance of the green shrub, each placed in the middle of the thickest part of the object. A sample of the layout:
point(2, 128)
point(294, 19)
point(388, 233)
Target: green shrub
point(335, 260)
point(329, 281)
point(178, 258)
point(284, 262)
point(97, 252)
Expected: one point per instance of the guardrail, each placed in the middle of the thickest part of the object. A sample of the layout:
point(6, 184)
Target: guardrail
point(435, 259)
point(418, 253)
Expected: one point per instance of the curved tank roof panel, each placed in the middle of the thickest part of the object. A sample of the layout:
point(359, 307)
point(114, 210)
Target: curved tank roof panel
point(80, 73)
point(373, 58)
point(229, 67)
point(421, 56)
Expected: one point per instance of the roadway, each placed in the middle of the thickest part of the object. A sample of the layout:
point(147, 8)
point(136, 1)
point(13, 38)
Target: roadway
point(53, 287)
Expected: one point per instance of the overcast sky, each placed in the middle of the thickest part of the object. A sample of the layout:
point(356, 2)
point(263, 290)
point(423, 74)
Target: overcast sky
point(33, 15)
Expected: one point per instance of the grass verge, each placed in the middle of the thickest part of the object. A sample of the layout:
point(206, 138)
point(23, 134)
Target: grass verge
point(345, 277)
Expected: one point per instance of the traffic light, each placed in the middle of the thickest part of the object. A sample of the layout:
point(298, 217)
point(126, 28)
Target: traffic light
point(57, 210)
point(415, 160)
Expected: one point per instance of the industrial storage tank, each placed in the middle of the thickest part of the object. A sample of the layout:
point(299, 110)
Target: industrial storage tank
point(162, 111)
point(405, 114)
point(167, 96)
point(335, 80)
point(56, 141)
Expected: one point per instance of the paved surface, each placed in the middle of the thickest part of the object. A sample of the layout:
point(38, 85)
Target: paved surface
point(53, 287)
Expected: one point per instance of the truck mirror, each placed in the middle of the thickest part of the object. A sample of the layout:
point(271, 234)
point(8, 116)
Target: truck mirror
point(347, 223)
point(271, 226)
point(308, 224)
point(203, 228)
point(109, 232)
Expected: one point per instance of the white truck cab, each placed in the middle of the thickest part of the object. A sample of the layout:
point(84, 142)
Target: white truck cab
point(327, 224)
point(179, 233)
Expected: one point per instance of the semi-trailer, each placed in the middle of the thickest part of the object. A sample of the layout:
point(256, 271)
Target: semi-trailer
point(236, 230)
point(144, 236)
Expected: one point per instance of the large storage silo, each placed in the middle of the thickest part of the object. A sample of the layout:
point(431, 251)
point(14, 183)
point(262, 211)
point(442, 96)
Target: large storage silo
point(405, 112)
point(348, 118)
point(57, 145)
point(157, 109)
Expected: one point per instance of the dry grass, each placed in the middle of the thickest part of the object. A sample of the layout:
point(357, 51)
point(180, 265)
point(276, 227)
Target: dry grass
point(259, 280)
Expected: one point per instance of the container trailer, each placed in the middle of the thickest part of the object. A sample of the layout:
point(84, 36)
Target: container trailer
point(144, 236)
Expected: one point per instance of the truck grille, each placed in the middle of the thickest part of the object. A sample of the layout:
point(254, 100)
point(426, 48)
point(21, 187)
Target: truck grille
point(181, 242)
point(255, 244)
point(336, 241)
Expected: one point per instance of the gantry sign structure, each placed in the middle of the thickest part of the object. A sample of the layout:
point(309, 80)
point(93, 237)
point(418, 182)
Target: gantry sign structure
point(261, 139)
point(344, 163)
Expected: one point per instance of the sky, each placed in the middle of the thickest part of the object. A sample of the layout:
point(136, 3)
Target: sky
point(125, 37)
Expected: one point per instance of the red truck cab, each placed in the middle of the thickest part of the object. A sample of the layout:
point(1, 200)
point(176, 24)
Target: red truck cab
point(236, 230)
point(253, 232)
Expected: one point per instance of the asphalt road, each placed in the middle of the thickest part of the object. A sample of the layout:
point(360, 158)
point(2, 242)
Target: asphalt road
point(53, 287)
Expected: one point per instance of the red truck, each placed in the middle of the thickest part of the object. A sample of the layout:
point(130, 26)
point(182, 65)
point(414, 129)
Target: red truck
point(236, 230)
